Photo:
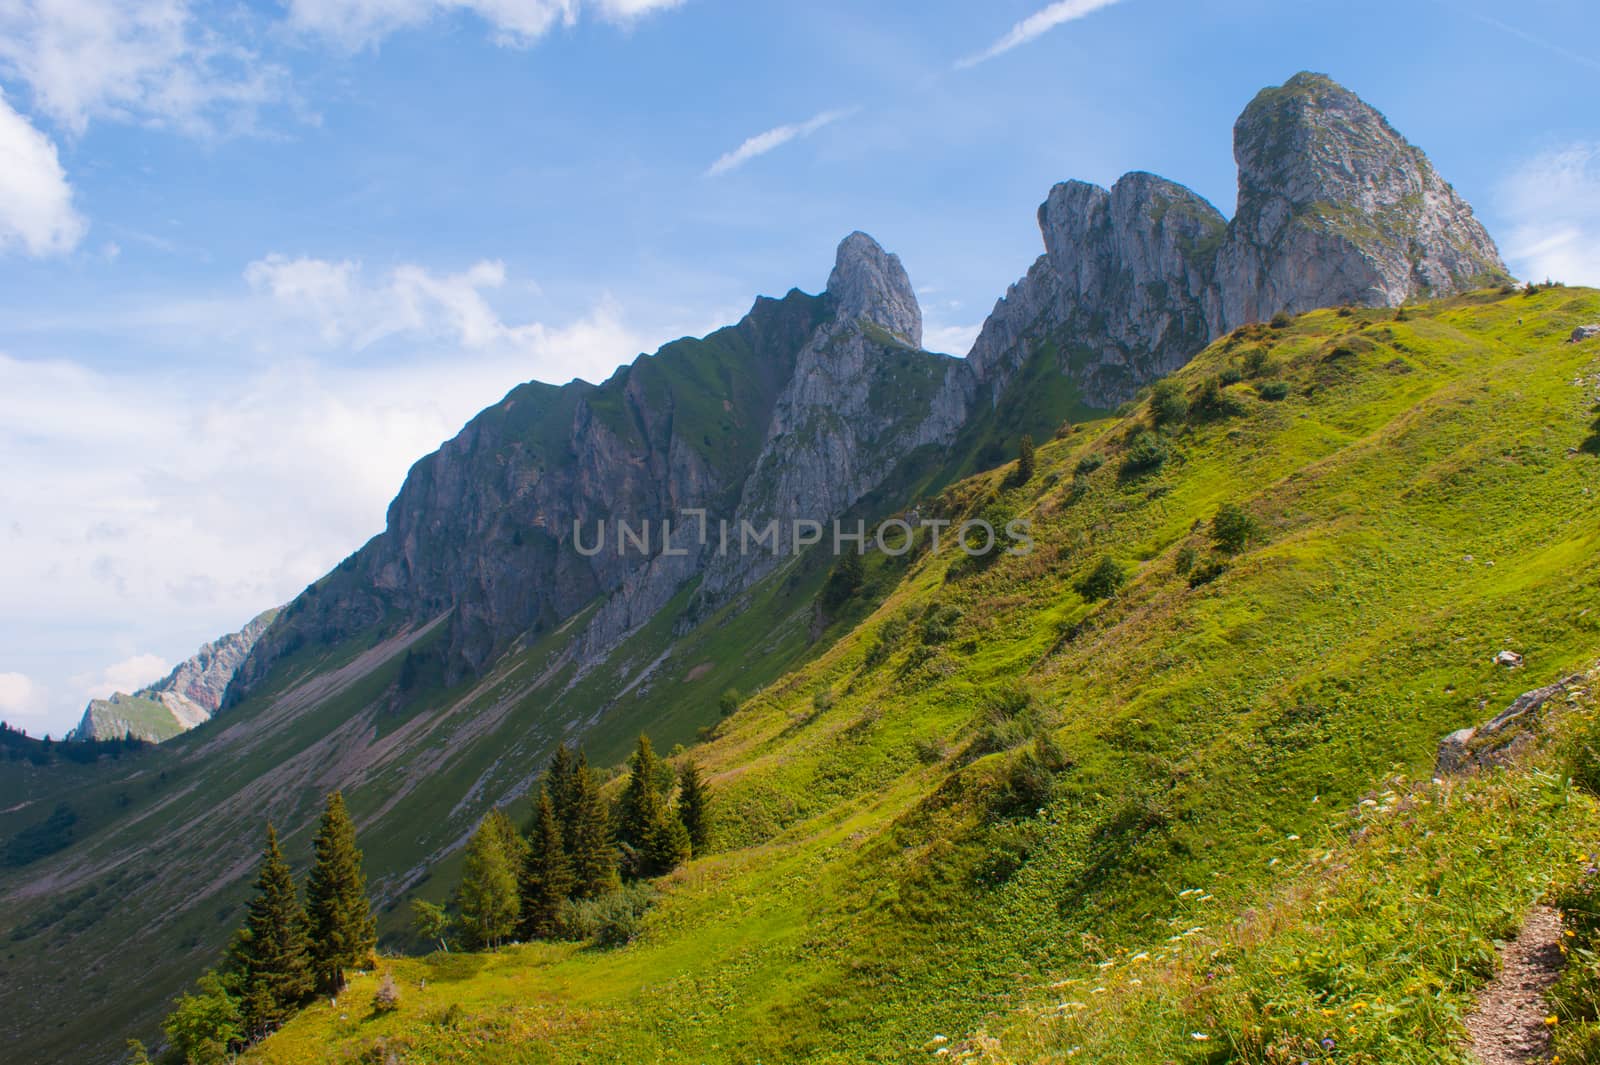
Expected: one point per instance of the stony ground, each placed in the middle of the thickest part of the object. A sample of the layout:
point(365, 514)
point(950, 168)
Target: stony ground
point(1508, 1027)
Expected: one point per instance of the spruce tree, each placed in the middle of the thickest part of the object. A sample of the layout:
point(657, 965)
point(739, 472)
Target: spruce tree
point(560, 780)
point(653, 840)
point(694, 807)
point(641, 802)
point(271, 953)
point(546, 879)
point(1025, 460)
point(488, 895)
point(343, 931)
point(594, 855)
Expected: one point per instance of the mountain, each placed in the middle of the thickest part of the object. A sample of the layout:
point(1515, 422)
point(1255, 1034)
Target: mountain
point(432, 672)
point(1008, 814)
point(186, 697)
point(1334, 207)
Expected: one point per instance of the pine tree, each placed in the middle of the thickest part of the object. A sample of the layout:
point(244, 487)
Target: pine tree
point(343, 931)
point(560, 780)
point(694, 807)
point(1025, 460)
point(488, 893)
point(653, 840)
point(594, 854)
point(546, 879)
point(271, 953)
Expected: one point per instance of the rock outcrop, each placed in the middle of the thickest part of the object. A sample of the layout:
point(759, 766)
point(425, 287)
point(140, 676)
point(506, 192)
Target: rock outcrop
point(1337, 207)
point(184, 698)
point(1334, 207)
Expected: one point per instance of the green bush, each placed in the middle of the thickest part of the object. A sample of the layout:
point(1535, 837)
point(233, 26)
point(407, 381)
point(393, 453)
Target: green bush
point(1273, 391)
point(1232, 528)
point(728, 702)
point(1281, 320)
point(1104, 580)
point(1088, 464)
point(1206, 572)
point(1146, 454)
point(1185, 560)
point(612, 920)
point(1169, 405)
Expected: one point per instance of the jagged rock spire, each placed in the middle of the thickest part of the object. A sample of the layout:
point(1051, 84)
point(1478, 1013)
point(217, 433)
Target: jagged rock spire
point(870, 283)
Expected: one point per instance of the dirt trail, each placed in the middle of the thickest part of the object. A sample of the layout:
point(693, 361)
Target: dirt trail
point(1508, 1025)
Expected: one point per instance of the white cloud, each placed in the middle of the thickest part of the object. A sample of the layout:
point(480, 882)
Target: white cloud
point(949, 339)
point(163, 503)
point(145, 61)
point(1036, 25)
point(1552, 203)
point(762, 143)
point(343, 307)
point(514, 23)
point(36, 210)
point(22, 701)
point(129, 675)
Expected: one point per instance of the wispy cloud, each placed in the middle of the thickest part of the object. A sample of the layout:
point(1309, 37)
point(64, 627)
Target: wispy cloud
point(1553, 204)
point(762, 143)
point(1036, 25)
point(514, 23)
point(1538, 42)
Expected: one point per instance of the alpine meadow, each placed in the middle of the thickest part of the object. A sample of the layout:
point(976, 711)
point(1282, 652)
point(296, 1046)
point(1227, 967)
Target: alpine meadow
point(1201, 666)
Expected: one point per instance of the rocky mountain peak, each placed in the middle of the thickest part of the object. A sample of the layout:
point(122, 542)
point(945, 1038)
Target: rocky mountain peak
point(869, 283)
point(1335, 206)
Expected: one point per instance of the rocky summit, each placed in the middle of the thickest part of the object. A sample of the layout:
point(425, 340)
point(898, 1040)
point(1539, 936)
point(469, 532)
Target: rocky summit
point(1335, 207)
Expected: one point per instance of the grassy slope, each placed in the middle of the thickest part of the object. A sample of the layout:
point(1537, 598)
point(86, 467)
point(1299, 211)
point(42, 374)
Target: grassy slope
point(1420, 511)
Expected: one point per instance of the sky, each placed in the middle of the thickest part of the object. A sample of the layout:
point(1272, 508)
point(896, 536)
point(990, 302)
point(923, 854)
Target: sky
point(256, 258)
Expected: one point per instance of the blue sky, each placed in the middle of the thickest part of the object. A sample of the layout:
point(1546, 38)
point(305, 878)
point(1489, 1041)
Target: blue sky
point(256, 258)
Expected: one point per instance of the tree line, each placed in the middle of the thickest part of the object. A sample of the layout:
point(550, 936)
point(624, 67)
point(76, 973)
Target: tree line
point(286, 952)
point(530, 884)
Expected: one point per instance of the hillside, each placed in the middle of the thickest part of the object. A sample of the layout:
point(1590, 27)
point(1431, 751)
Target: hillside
point(903, 859)
point(431, 673)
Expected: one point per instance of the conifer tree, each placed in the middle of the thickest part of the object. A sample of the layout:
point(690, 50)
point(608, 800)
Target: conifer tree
point(594, 854)
point(694, 807)
point(343, 931)
point(653, 840)
point(1025, 460)
point(641, 802)
point(561, 780)
point(488, 894)
point(546, 879)
point(271, 953)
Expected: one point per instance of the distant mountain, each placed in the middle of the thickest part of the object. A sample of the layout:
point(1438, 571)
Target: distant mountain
point(186, 697)
point(432, 672)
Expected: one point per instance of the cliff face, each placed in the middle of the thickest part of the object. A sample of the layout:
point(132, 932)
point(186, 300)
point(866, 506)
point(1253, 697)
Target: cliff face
point(1334, 207)
point(797, 411)
point(1337, 207)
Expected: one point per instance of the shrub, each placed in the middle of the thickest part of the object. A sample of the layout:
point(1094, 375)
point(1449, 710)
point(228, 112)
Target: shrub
point(1103, 581)
point(1213, 402)
point(1273, 391)
point(1030, 779)
point(1207, 571)
point(1256, 362)
point(1232, 528)
point(929, 751)
point(1229, 375)
point(1281, 320)
point(1169, 405)
point(387, 998)
point(612, 920)
point(1185, 560)
point(1146, 454)
point(1088, 464)
point(939, 623)
point(728, 702)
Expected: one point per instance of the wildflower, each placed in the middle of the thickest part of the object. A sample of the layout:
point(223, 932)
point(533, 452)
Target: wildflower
point(1199, 1037)
point(1552, 1020)
point(1327, 1043)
